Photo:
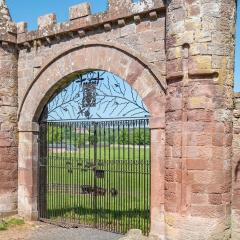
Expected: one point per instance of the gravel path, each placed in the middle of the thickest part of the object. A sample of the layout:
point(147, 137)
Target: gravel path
point(41, 231)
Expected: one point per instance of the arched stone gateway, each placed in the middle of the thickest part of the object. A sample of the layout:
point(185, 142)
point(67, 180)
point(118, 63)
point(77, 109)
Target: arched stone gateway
point(64, 69)
point(178, 56)
point(145, 79)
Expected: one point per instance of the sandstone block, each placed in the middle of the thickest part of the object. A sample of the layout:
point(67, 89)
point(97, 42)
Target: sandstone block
point(116, 5)
point(197, 164)
point(79, 11)
point(194, 10)
point(211, 8)
point(21, 27)
point(215, 199)
point(201, 63)
point(192, 24)
point(198, 102)
point(47, 20)
point(208, 211)
point(199, 198)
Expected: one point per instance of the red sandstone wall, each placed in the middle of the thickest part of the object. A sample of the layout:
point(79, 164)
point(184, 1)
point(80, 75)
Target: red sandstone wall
point(8, 113)
point(199, 44)
point(8, 130)
point(236, 171)
point(143, 34)
point(137, 32)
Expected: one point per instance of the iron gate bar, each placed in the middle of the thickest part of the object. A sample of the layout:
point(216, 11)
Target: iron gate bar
point(94, 169)
point(73, 154)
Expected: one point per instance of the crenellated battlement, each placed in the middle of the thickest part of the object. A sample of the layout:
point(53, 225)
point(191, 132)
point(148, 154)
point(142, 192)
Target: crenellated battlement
point(81, 20)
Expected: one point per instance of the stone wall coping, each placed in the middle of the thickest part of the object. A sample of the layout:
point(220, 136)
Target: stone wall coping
point(87, 22)
point(8, 37)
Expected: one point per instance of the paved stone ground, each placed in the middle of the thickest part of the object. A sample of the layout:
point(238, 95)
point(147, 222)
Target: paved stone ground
point(41, 231)
point(51, 232)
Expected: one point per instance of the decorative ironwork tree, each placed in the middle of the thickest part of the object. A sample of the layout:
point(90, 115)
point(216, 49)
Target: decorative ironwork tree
point(96, 94)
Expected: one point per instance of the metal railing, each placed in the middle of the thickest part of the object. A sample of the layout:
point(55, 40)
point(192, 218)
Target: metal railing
point(95, 174)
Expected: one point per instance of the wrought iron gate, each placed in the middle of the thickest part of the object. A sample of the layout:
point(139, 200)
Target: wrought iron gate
point(95, 172)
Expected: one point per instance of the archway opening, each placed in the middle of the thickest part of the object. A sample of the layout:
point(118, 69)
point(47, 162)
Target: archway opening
point(94, 163)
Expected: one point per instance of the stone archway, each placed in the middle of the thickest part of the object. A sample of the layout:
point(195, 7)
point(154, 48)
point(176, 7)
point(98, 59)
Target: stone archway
point(60, 71)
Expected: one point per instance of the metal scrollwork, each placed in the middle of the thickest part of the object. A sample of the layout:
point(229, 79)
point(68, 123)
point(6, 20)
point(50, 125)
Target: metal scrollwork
point(95, 94)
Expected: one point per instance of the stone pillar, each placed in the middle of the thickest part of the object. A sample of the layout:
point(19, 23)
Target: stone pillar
point(200, 46)
point(236, 171)
point(28, 171)
point(157, 127)
point(8, 130)
point(8, 114)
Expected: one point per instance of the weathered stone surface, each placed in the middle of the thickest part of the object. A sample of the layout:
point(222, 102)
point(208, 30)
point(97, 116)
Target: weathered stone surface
point(46, 21)
point(178, 55)
point(236, 171)
point(21, 27)
point(8, 119)
point(198, 118)
point(116, 5)
point(79, 11)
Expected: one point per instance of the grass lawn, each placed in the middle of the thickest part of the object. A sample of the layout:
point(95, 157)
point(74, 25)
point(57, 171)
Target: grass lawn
point(115, 197)
point(5, 224)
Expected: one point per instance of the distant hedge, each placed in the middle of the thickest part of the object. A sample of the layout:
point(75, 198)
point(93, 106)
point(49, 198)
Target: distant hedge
point(67, 135)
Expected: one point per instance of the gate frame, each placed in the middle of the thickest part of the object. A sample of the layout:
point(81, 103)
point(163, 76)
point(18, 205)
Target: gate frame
point(93, 125)
point(141, 75)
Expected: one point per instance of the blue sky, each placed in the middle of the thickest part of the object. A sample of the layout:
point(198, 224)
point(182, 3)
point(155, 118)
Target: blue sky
point(29, 10)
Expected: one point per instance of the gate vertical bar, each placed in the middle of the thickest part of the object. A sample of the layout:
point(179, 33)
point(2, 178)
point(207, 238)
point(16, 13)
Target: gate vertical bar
point(144, 170)
point(95, 191)
point(43, 170)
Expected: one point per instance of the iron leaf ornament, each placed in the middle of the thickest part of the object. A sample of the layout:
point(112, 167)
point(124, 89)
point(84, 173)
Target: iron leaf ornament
point(95, 94)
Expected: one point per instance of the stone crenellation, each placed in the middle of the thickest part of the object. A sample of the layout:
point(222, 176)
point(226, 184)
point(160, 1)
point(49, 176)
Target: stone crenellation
point(179, 56)
point(80, 20)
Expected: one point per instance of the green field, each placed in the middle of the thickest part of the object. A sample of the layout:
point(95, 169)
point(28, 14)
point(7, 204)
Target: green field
point(115, 197)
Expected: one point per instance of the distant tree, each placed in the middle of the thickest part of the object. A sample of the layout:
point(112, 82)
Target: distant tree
point(54, 134)
point(124, 137)
point(136, 136)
